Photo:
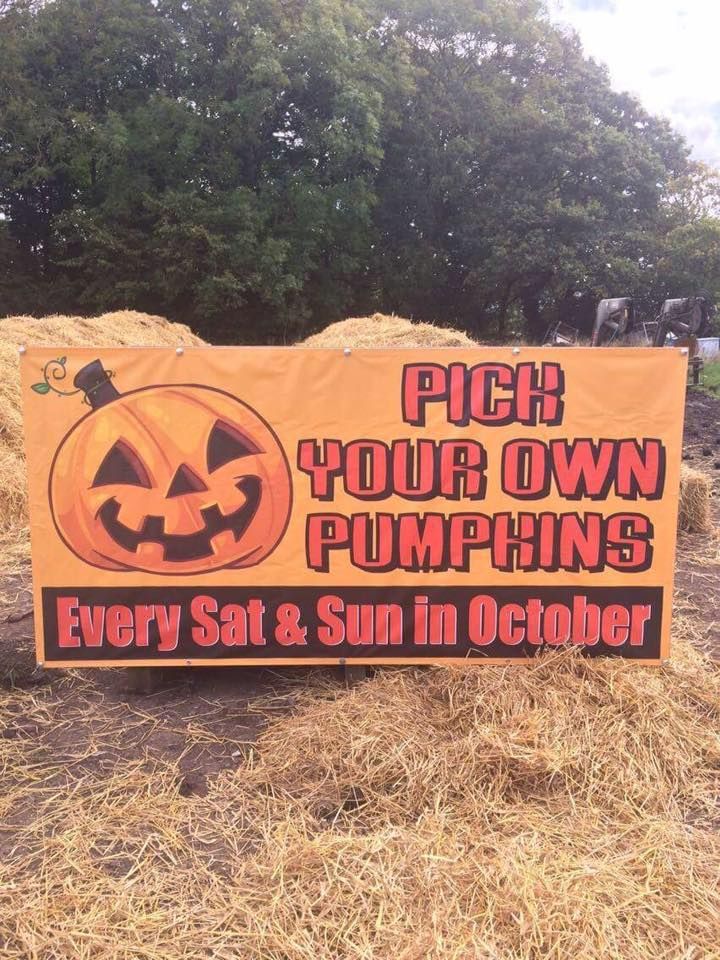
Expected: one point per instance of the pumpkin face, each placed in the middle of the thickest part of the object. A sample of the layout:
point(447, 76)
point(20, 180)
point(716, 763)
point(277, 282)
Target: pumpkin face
point(172, 480)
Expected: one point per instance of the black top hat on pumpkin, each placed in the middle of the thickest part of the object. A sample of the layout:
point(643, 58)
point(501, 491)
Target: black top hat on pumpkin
point(94, 380)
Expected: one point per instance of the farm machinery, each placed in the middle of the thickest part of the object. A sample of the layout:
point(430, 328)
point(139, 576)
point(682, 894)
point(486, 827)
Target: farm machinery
point(618, 322)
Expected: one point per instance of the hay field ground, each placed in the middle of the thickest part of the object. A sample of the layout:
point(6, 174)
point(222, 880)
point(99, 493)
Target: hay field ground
point(567, 811)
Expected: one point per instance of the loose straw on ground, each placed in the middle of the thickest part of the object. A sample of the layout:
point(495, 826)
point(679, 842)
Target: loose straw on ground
point(566, 810)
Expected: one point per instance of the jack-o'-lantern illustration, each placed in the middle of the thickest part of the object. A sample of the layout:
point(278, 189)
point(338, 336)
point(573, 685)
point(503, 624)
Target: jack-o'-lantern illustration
point(172, 479)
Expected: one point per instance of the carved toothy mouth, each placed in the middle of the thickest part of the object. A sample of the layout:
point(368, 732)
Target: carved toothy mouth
point(184, 546)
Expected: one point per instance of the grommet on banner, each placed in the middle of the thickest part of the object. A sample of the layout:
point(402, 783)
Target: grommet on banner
point(684, 351)
point(22, 349)
point(516, 351)
point(179, 351)
point(347, 351)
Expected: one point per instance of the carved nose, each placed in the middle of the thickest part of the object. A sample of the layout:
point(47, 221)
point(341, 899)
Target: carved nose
point(185, 481)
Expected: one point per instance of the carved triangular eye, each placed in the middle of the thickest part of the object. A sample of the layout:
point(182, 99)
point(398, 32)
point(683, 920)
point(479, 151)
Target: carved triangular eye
point(121, 465)
point(185, 481)
point(225, 444)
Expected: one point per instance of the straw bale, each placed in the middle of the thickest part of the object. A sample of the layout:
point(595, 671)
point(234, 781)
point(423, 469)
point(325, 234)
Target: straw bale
point(694, 515)
point(118, 329)
point(380, 330)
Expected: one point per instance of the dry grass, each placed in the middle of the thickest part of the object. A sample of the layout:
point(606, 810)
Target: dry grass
point(695, 492)
point(380, 330)
point(566, 810)
point(119, 329)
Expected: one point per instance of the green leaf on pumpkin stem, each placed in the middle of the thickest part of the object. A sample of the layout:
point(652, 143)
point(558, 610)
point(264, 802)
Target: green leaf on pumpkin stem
point(41, 387)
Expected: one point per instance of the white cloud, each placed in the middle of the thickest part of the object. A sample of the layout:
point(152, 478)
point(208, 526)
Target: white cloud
point(664, 52)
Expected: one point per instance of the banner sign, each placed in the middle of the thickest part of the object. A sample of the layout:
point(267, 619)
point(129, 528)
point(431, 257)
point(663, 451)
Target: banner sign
point(285, 505)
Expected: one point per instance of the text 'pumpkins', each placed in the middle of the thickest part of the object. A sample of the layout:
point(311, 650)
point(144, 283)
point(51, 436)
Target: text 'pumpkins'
point(172, 479)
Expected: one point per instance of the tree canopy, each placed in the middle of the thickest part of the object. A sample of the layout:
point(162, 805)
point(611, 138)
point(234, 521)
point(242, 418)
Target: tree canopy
point(257, 168)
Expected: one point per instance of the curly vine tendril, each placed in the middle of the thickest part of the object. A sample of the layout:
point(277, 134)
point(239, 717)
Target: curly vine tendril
point(55, 370)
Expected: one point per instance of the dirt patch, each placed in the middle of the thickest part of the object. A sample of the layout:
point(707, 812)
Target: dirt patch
point(697, 572)
point(83, 724)
point(701, 441)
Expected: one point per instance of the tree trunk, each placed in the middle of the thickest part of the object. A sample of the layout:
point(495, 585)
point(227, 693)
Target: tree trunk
point(534, 323)
point(502, 324)
point(502, 316)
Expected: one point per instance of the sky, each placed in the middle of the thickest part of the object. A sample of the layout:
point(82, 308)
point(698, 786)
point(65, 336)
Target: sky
point(663, 51)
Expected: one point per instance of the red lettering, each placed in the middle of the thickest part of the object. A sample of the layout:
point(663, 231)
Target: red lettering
point(366, 468)
point(413, 467)
point(332, 631)
point(372, 541)
point(168, 621)
point(468, 531)
point(514, 542)
point(92, 624)
point(586, 622)
point(489, 393)
point(325, 532)
point(144, 616)
point(525, 471)
point(119, 626)
point(538, 393)
point(422, 383)
point(233, 632)
point(67, 620)
point(321, 469)
point(485, 405)
point(628, 536)
point(641, 470)
point(510, 618)
point(207, 631)
point(583, 468)
point(482, 620)
point(462, 469)
point(256, 611)
point(443, 624)
point(640, 614)
point(615, 625)
point(556, 624)
point(534, 614)
point(421, 541)
point(581, 542)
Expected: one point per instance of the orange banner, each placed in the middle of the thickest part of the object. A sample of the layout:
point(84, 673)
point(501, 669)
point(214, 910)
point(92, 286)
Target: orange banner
point(287, 505)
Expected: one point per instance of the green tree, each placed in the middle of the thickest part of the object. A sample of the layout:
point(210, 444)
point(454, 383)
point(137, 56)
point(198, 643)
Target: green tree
point(686, 255)
point(211, 161)
point(256, 167)
point(519, 178)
